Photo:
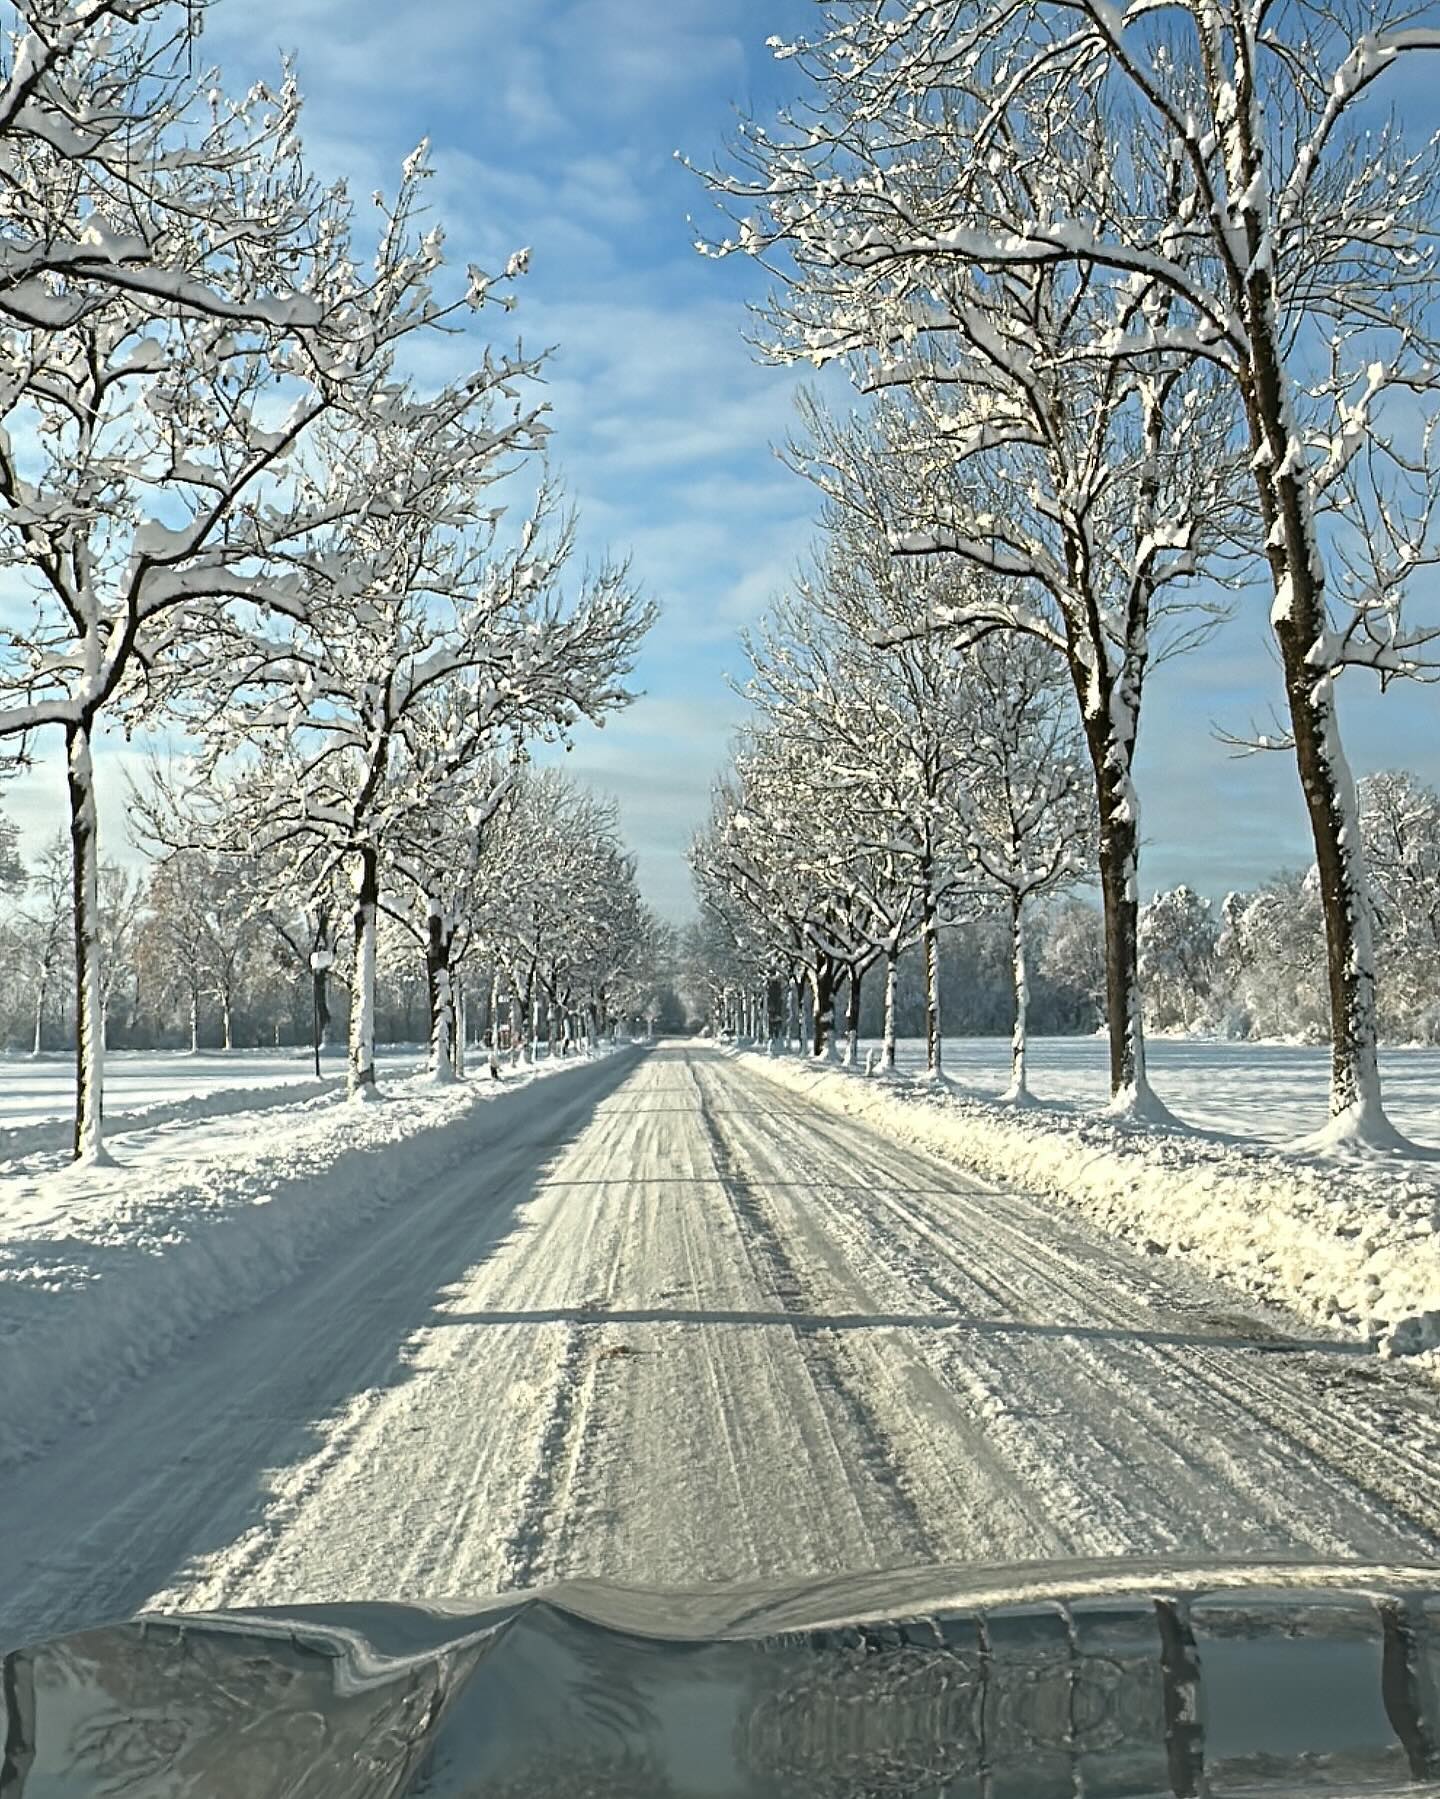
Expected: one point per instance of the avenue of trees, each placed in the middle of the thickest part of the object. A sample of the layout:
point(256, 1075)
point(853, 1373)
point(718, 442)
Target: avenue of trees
point(229, 506)
point(1142, 313)
point(539, 939)
point(1250, 965)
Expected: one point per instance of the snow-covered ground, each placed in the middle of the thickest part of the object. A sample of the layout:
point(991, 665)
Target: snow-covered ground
point(37, 1092)
point(1271, 1092)
point(668, 1321)
point(106, 1272)
point(1343, 1237)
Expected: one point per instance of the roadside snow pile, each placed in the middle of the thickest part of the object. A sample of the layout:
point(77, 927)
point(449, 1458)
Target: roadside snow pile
point(1352, 1244)
point(107, 1272)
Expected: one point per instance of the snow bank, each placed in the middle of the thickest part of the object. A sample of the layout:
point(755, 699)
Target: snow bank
point(1355, 1245)
point(107, 1272)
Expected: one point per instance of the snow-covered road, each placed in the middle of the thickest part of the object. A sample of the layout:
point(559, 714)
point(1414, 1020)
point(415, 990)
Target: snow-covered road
point(684, 1326)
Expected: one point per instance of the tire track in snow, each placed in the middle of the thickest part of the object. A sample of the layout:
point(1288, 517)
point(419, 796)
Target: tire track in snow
point(555, 1457)
point(751, 1413)
point(568, 1432)
point(1220, 1389)
point(214, 1481)
point(885, 1500)
point(975, 1493)
point(435, 1412)
point(1247, 1392)
point(707, 1404)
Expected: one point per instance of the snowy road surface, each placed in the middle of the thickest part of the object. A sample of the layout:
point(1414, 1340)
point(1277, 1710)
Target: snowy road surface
point(685, 1327)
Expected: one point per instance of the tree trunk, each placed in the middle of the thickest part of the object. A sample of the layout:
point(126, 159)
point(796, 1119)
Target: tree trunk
point(362, 1083)
point(89, 1054)
point(194, 1019)
point(887, 1053)
point(226, 1033)
point(440, 991)
point(1018, 1090)
point(822, 981)
point(42, 993)
point(1300, 622)
point(852, 1015)
point(929, 938)
point(1111, 755)
point(17, 1708)
point(774, 1013)
point(795, 1013)
point(1334, 814)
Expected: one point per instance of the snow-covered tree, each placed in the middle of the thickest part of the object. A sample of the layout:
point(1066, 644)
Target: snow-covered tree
point(43, 923)
point(114, 136)
point(12, 869)
point(561, 914)
point(161, 419)
point(754, 905)
point(425, 647)
point(879, 738)
point(1082, 499)
point(1400, 816)
point(117, 917)
point(441, 855)
point(1271, 956)
point(1026, 800)
point(201, 908)
point(647, 993)
point(1072, 953)
point(1178, 956)
point(303, 922)
point(778, 876)
point(616, 942)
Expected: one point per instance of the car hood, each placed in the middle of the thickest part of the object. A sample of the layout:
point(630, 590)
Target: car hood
point(1095, 1678)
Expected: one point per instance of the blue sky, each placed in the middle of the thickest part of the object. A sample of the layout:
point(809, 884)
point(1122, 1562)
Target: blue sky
point(553, 125)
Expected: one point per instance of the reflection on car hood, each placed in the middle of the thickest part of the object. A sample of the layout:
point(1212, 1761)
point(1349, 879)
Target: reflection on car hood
point(1075, 1678)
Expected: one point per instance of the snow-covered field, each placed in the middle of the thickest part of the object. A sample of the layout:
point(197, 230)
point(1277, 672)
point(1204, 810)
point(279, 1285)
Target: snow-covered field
point(1272, 1092)
point(664, 1320)
point(37, 1092)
